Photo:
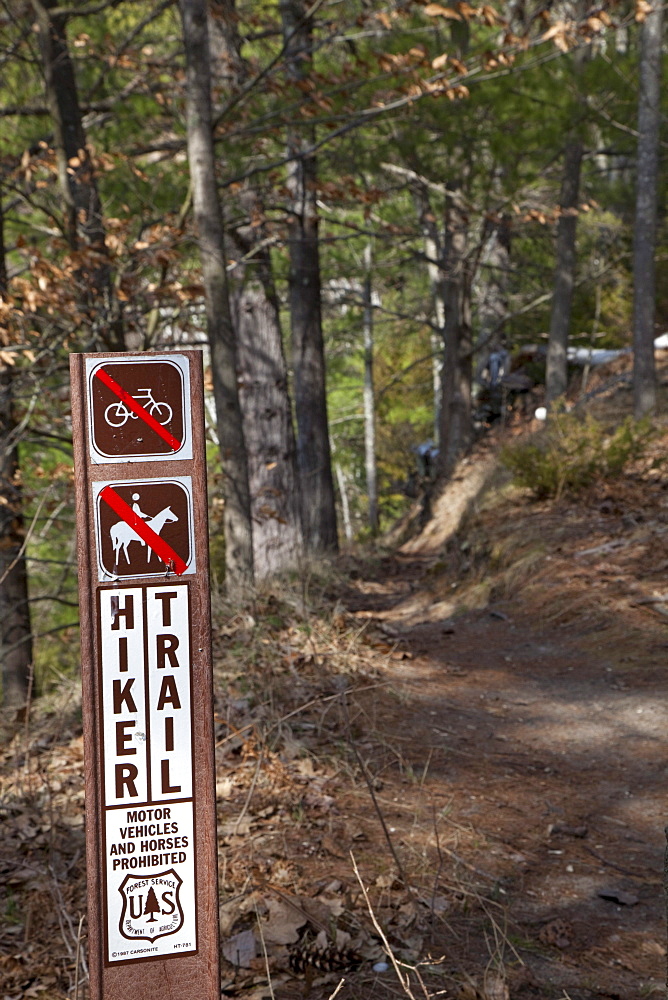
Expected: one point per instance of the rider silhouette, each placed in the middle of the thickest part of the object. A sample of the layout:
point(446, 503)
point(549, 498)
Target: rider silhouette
point(137, 509)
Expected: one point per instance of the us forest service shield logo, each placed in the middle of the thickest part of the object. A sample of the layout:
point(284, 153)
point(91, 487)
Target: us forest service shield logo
point(151, 906)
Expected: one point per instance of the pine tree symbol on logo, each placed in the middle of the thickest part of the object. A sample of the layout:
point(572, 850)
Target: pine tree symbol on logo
point(152, 906)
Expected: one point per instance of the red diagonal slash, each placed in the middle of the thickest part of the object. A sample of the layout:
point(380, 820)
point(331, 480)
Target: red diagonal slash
point(137, 408)
point(170, 558)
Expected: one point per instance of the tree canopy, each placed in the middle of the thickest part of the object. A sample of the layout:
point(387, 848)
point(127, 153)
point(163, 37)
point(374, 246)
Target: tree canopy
point(430, 139)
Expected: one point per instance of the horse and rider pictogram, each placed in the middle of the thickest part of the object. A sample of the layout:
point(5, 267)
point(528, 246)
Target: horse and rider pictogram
point(144, 528)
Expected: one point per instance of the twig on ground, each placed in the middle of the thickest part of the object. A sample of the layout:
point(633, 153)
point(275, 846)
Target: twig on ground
point(322, 699)
point(426, 767)
point(655, 606)
point(65, 922)
point(308, 917)
point(235, 732)
point(471, 868)
point(611, 864)
point(419, 978)
point(264, 952)
point(405, 983)
point(250, 793)
point(500, 933)
point(337, 989)
point(616, 543)
point(28, 535)
point(439, 853)
point(369, 782)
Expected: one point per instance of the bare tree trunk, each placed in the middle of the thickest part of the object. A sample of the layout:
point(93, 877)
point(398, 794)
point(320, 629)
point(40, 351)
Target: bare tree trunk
point(313, 450)
point(450, 278)
point(491, 285)
point(268, 430)
point(345, 503)
point(436, 342)
point(556, 378)
point(644, 235)
point(433, 253)
point(210, 230)
point(451, 293)
point(456, 435)
point(15, 632)
point(84, 221)
point(369, 398)
point(263, 390)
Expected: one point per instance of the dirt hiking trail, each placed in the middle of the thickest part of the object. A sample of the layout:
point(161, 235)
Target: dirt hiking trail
point(540, 744)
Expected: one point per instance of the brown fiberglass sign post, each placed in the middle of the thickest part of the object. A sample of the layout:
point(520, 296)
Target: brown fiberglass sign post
point(146, 665)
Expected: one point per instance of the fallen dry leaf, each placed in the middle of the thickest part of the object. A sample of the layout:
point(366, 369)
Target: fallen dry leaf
point(240, 949)
point(283, 923)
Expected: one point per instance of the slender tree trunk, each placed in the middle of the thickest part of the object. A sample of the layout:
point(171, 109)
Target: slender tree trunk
point(369, 397)
point(84, 221)
point(313, 450)
point(556, 379)
point(436, 342)
point(345, 503)
point(450, 278)
point(451, 292)
point(15, 631)
point(263, 390)
point(491, 286)
point(456, 435)
point(210, 230)
point(433, 252)
point(644, 236)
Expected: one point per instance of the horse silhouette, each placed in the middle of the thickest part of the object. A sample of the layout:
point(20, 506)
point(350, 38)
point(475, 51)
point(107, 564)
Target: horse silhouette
point(122, 534)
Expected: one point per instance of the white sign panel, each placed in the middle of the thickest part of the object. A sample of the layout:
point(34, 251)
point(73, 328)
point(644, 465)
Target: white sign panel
point(124, 702)
point(150, 857)
point(148, 771)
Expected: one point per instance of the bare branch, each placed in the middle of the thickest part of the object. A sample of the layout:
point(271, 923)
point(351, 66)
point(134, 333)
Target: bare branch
point(67, 12)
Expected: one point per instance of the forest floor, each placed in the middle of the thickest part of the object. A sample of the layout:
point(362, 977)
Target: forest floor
point(453, 752)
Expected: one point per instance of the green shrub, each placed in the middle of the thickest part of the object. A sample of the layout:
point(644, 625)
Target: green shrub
point(571, 453)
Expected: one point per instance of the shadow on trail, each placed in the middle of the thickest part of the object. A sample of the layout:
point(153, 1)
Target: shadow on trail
point(532, 757)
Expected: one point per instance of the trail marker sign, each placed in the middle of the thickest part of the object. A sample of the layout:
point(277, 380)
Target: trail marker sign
point(144, 527)
point(139, 409)
point(146, 672)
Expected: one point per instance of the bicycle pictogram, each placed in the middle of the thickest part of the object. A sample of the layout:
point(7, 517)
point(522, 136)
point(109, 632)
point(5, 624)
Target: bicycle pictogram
point(117, 414)
point(139, 410)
